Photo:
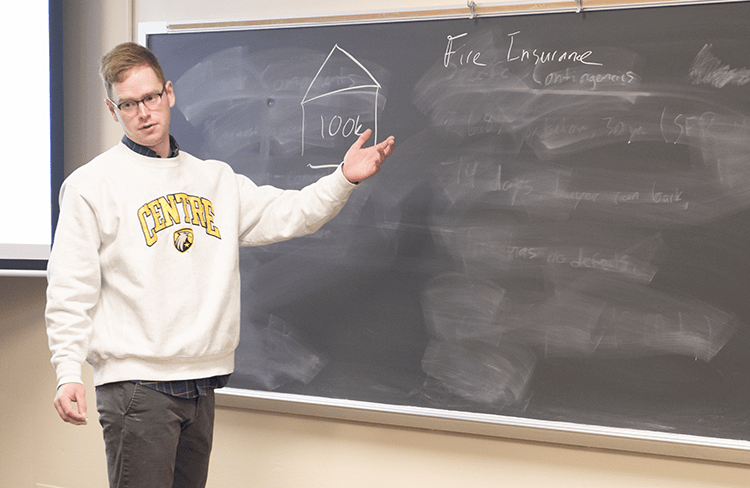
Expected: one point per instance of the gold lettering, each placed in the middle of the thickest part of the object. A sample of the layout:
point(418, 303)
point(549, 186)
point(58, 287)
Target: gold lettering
point(183, 198)
point(199, 211)
point(165, 212)
point(211, 229)
point(144, 212)
point(169, 210)
point(196, 209)
point(156, 213)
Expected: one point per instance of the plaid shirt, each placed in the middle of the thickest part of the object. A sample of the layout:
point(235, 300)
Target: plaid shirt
point(174, 148)
point(186, 388)
point(181, 388)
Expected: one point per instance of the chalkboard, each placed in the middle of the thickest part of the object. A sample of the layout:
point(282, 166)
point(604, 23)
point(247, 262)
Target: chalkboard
point(562, 234)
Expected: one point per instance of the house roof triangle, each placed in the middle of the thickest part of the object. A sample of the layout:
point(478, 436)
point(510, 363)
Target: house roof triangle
point(340, 72)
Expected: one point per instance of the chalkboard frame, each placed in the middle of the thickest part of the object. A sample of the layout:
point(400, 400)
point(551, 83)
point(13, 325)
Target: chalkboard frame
point(524, 429)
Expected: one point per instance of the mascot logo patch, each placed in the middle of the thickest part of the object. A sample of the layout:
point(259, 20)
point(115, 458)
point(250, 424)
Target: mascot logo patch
point(183, 239)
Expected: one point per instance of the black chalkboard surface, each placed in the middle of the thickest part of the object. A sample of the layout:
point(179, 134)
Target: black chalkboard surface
point(562, 234)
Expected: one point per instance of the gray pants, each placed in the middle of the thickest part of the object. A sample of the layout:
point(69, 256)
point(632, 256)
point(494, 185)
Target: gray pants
point(155, 440)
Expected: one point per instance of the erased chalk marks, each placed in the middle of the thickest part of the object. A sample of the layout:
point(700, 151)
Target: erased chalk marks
point(277, 354)
point(248, 107)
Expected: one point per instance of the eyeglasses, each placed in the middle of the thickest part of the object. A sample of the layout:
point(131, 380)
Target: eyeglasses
point(130, 107)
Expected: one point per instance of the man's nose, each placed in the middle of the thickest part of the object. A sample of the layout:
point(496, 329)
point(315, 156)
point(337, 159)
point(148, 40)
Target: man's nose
point(142, 109)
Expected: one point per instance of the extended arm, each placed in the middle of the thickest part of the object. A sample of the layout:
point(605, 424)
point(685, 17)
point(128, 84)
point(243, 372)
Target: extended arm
point(270, 214)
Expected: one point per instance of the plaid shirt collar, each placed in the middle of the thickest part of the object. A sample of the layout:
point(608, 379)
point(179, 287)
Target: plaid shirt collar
point(174, 148)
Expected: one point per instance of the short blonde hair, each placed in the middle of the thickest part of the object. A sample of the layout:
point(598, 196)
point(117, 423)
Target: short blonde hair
point(124, 57)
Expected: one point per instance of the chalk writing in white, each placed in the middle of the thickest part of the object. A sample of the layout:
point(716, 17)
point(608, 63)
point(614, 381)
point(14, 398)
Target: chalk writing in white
point(581, 258)
point(338, 126)
point(541, 56)
point(356, 79)
point(617, 128)
point(469, 57)
point(686, 126)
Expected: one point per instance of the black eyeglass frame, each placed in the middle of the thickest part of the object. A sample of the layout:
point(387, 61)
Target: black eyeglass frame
point(137, 102)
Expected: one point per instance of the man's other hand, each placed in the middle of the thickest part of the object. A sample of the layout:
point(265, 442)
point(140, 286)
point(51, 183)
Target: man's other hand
point(67, 395)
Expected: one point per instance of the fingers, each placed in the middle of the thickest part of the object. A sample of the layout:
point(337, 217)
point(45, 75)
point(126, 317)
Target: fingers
point(68, 413)
point(362, 139)
point(68, 394)
point(81, 402)
point(381, 152)
point(361, 163)
point(385, 148)
point(386, 145)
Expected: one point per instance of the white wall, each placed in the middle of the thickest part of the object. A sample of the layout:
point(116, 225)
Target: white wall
point(255, 448)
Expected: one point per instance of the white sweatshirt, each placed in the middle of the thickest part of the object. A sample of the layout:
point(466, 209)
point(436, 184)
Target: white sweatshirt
point(143, 280)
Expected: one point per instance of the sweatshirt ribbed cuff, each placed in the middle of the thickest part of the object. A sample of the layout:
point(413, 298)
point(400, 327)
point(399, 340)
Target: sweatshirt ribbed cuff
point(68, 372)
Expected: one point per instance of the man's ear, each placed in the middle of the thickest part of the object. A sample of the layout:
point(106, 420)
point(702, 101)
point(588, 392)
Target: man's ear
point(170, 93)
point(112, 110)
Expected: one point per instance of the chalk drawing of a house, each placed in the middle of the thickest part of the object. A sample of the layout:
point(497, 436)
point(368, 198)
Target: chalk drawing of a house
point(341, 102)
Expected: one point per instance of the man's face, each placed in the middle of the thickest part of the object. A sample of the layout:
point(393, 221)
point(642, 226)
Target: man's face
point(146, 126)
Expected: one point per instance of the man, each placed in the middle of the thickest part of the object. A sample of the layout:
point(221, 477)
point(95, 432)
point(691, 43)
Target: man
point(143, 280)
